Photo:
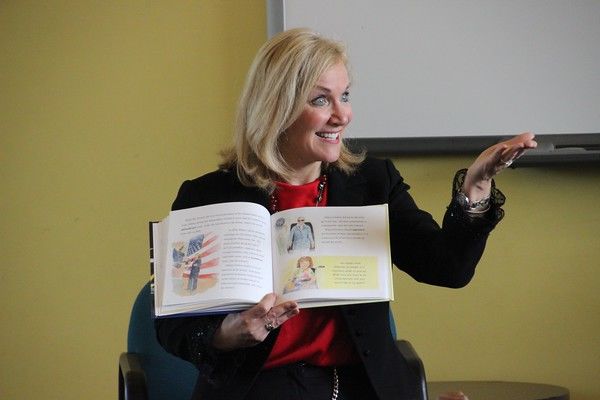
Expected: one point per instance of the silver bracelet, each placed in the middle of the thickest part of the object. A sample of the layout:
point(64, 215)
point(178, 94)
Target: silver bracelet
point(476, 207)
point(480, 205)
point(478, 211)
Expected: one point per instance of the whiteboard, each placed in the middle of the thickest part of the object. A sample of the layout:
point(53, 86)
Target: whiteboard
point(462, 68)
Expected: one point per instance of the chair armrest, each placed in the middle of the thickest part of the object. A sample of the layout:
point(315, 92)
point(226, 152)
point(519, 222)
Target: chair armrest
point(132, 379)
point(416, 366)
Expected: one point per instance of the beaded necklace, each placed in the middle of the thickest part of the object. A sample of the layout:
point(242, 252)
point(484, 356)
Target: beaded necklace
point(320, 192)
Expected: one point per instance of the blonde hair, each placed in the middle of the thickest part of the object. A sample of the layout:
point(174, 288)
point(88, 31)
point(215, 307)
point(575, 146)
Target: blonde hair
point(305, 258)
point(284, 71)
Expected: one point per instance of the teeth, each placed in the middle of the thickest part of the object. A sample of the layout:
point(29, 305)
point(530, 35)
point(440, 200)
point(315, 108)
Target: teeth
point(326, 135)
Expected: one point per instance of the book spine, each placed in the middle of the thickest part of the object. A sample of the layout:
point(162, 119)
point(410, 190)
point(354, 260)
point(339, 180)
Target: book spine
point(151, 254)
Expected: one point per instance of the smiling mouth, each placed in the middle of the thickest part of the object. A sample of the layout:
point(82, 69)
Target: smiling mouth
point(328, 135)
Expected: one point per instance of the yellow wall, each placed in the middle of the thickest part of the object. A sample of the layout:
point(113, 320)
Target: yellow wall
point(107, 106)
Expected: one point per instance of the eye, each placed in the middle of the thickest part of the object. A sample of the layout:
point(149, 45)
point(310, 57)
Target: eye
point(319, 101)
point(345, 97)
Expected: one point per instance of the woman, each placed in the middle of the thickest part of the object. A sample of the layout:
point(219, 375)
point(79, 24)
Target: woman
point(289, 153)
point(301, 236)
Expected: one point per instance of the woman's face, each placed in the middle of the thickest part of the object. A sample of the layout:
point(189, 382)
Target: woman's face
point(316, 135)
point(304, 264)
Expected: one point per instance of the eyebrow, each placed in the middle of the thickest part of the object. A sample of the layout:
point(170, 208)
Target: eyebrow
point(327, 89)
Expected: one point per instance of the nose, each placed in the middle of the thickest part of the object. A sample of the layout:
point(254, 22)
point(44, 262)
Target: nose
point(341, 114)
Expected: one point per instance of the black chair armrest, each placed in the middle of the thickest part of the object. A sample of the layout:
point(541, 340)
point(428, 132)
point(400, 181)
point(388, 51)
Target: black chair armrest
point(132, 379)
point(416, 365)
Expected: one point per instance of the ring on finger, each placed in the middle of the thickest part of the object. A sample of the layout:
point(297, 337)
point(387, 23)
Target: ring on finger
point(269, 325)
point(508, 163)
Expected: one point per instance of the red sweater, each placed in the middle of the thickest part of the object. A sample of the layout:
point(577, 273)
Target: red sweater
point(317, 336)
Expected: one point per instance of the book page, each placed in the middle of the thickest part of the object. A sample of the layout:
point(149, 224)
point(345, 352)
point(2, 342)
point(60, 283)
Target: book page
point(216, 254)
point(332, 253)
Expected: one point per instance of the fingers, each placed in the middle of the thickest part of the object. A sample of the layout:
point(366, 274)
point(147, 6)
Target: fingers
point(283, 312)
point(263, 306)
point(525, 141)
point(279, 314)
point(453, 396)
point(274, 314)
point(524, 137)
point(265, 316)
point(516, 146)
point(252, 326)
point(497, 158)
point(262, 318)
point(511, 153)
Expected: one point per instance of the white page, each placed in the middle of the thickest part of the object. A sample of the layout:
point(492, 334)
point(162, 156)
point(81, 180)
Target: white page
point(232, 242)
point(159, 237)
point(350, 256)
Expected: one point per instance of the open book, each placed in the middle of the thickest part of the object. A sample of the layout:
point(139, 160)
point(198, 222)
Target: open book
point(226, 257)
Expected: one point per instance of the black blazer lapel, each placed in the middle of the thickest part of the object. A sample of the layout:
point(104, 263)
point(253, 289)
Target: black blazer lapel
point(345, 190)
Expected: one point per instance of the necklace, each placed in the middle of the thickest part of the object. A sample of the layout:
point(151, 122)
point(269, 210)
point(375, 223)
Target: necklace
point(320, 192)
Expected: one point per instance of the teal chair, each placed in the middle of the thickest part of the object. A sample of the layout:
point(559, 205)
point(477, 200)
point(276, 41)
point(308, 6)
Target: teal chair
point(148, 372)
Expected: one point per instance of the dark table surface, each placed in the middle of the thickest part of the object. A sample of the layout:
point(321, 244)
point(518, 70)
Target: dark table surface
point(498, 390)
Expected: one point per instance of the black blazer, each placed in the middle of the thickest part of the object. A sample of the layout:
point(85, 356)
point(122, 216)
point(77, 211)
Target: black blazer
point(444, 256)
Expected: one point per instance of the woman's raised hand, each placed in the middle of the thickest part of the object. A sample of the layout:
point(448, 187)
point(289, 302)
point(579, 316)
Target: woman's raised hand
point(493, 160)
point(252, 326)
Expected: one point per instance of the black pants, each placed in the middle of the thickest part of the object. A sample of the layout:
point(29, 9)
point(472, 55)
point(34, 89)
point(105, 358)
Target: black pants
point(302, 381)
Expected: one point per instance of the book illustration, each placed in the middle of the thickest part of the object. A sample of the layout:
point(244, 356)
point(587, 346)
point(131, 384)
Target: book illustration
point(281, 235)
point(192, 263)
point(304, 275)
point(302, 236)
point(331, 272)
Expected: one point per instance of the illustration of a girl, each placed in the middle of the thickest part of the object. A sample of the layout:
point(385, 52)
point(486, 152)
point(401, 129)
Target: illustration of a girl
point(304, 277)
